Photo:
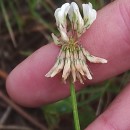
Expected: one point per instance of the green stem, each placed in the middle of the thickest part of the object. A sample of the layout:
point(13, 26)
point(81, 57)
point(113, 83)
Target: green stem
point(74, 104)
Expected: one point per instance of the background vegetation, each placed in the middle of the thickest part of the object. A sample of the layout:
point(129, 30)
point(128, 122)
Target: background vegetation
point(25, 26)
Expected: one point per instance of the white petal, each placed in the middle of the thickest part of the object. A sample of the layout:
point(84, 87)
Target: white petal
point(64, 35)
point(73, 12)
point(89, 14)
point(60, 14)
point(56, 14)
point(75, 17)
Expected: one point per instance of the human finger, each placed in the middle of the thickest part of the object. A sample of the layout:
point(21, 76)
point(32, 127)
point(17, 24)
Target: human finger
point(117, 116)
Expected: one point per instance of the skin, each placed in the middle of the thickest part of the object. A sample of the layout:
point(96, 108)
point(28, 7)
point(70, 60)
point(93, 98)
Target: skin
point(109, 38)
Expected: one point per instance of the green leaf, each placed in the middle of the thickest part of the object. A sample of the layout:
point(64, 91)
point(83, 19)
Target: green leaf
point(86, 116)
point(60, 107)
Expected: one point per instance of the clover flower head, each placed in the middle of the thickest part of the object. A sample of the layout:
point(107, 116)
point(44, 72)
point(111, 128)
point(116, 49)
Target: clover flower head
point(73, 56)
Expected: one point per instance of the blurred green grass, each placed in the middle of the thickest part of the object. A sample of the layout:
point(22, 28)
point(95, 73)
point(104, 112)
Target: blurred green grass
point(24, 17)
point(14, 14)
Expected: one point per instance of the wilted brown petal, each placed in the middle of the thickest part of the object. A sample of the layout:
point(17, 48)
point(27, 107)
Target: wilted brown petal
point(84, 65)
point(73, 69)
point(87, 72)
point(60, 65)
point(77, 63)
point(55, 65)
point(66, 70)
point(52, 69)
point(79, 77)
point(92, 58)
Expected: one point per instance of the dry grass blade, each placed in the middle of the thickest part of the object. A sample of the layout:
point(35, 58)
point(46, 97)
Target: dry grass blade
point(99, 108)
point(5, 115)
point(2, 127)
point(5, 15)
point(22, 112)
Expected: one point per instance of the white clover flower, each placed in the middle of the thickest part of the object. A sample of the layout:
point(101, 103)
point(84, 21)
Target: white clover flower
point(89, 14)
point(72, 56)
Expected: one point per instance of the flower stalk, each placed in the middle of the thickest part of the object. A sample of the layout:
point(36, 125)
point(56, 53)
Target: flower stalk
point(74, 105)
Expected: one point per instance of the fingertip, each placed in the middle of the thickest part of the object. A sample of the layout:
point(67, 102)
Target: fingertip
point(25, 82)
point(19, 94)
